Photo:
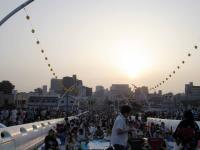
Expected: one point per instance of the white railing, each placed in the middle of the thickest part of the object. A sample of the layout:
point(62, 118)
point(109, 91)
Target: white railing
point(27, 136)
point(170, 124)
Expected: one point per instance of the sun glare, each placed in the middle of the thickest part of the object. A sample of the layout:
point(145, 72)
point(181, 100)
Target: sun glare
point(132, 59)
point(130, 65)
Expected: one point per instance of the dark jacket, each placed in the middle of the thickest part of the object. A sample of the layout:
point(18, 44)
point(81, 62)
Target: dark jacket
point(50, 143)
point(187, 133)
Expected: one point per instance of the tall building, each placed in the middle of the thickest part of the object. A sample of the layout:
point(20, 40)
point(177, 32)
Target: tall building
point(73, 85)
point(141, 93)
point(56, 86)
point(191, 90)
point(44, 90)
point(100, 91)
point(99, 88)
point(120, 90)
point(59, 85)
point(88, 91)
point(68, 82)
point(84, 91)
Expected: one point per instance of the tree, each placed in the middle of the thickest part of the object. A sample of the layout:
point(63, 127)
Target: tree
point(38, 90)
point(6, 87)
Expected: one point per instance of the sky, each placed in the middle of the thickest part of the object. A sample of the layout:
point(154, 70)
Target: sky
point(102, 41)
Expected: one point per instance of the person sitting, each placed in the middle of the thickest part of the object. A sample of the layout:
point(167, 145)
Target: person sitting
point(92, 129)
point(50, 141)
point(99, 133)
point(81, 136)
point(71, 142)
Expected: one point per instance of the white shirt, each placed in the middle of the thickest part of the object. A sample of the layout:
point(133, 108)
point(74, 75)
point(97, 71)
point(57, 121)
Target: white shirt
point(121, 139)
point(92, 130)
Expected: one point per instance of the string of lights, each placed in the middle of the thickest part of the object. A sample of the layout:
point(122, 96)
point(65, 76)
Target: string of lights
point(43, 52)
point(70, 89)
point(173, 72)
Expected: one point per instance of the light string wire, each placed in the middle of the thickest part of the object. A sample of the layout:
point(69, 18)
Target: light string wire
point(155, 87)
point(50, 68)
point(173, 72)
point(33, 31)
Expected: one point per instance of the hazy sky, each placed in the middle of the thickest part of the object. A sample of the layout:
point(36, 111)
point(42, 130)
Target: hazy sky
point(102, 41)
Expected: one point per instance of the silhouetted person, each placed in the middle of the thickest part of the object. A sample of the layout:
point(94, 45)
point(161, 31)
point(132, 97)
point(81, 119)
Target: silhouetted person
point(50, 141)
point(187, 132)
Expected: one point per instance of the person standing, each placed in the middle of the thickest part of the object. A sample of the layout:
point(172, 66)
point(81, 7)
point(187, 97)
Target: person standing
point(187, 132)
point(119, 136)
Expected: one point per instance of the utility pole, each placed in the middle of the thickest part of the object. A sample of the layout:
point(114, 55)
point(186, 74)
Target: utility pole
point(15, 11)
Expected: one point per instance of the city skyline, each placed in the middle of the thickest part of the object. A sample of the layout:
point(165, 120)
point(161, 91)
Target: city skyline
point(132, 88)
point(103, 42)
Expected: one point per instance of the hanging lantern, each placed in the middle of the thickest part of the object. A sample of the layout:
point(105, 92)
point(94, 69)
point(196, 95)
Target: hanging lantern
point(27, 17)
point(42, 51)
point(56, 77)
point(189, 54)
point(163, 81)
point(160, 83)
point(51, 69)
point(170, 75)
point(178, 67)
point(33, 31)
point(195, 46)
point(183, 62)
point(54, 74)
point(49, 65)
point(174, 72)
point(38, 42)
point(46, 58)
point(166, 78)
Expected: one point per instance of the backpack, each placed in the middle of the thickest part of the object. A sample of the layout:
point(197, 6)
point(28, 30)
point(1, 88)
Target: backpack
point(186, 134)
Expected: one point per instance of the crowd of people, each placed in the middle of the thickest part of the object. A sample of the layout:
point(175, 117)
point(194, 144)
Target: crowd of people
point(13, 116)
point(176, 114)
point(76, 133)
point(123, 132)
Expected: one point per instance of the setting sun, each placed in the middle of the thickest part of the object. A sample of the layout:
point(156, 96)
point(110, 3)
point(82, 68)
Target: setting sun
point(131, 65)
point(132, 59)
